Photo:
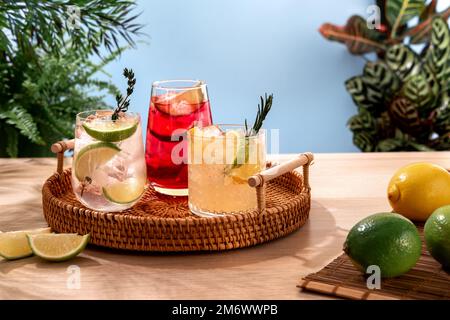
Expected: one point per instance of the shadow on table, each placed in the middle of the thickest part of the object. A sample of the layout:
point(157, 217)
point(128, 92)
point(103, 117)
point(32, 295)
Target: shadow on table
point(318, 239)
point(80, 261)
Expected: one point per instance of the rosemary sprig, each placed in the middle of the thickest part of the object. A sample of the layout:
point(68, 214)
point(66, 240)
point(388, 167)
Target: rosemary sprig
point(263, 109)
point(124, 103)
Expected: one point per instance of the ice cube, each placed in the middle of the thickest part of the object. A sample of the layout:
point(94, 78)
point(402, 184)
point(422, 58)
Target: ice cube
point(211, 131)
point(116, 168)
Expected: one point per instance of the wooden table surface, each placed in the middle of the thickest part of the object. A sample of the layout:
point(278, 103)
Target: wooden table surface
point(345, 188)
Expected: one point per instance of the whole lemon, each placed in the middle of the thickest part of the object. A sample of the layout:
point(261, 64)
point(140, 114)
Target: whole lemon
point(418, 189)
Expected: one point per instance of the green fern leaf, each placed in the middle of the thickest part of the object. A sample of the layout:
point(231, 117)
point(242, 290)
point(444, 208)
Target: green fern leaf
point(12, 141)
point(19, 117)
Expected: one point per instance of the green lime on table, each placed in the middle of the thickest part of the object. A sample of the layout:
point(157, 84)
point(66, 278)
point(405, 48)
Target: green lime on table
point(110, 131)
point(92, 156)
point(387, 240)
point(125, 192)
point(437, 235)
point(14, 245)
point(57, 247)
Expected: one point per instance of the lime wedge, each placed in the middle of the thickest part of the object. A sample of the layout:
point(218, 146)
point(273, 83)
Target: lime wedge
point(124, 192)
point(57, 247)
point(110, 131)
point(92, 156)
point(14, 245)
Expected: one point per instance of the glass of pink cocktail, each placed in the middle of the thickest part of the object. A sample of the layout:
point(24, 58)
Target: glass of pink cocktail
point(175, 107)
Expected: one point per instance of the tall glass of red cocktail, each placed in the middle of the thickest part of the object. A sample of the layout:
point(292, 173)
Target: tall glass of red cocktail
point(175, 107)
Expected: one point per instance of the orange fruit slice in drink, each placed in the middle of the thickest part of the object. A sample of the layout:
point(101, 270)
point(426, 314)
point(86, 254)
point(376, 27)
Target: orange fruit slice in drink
point(180, 104)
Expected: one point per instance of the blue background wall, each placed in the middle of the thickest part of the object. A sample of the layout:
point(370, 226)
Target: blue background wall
point(245, 48)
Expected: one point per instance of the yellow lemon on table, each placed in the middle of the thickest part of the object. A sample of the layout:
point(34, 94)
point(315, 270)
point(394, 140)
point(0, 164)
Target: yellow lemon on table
point(418, 189)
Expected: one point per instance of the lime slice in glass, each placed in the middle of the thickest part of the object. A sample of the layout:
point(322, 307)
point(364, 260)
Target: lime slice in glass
point(124, 192)
point(92, 156)
point(14, 245)
point(57, 247)
point(110, 131)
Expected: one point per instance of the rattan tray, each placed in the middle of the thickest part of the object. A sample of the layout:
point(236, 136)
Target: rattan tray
point(164, 224)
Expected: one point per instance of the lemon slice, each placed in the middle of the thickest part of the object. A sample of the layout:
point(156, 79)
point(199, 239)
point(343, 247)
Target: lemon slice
point(124, 192)
point(110, 131)
point(57, 247)
point(14, 245)
point(242, 173)
point(92, 156)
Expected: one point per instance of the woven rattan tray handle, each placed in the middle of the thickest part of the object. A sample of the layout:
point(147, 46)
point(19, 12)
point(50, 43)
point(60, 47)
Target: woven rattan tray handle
point(258, 181)
point(59, 148)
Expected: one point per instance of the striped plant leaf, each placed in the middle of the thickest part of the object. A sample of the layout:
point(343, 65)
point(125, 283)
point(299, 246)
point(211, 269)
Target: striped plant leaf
point(418, 91)
point(405, 115)
point(355, 86)
point(399, 12)
point(385, 128)
point(438, 53)
point(421, 32)
point(378, 75)
point(365, 97)
point(363, 121)
point(442, 143)
point(364, 141)
point(419, 146)
point(388, 145)
point(442, 121)
point(403, 61)
point(358, 38)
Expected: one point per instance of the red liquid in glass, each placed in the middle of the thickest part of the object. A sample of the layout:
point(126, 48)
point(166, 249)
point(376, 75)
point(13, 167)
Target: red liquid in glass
point(167, 114)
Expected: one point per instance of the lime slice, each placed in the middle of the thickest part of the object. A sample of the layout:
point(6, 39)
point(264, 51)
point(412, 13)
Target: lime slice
point(124, 192)
point(92, 156)
point(57, 247)
point(14, 245)
point(110, 131)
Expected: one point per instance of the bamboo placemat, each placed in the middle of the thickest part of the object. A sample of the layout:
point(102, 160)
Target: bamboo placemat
point(426, 281)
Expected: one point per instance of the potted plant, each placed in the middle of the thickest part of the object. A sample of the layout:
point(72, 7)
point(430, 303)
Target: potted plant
point(402, 96)
point(46, 71)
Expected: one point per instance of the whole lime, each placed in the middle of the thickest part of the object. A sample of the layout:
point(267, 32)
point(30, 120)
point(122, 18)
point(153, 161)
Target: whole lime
point(387, 240)
point(437, 235)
